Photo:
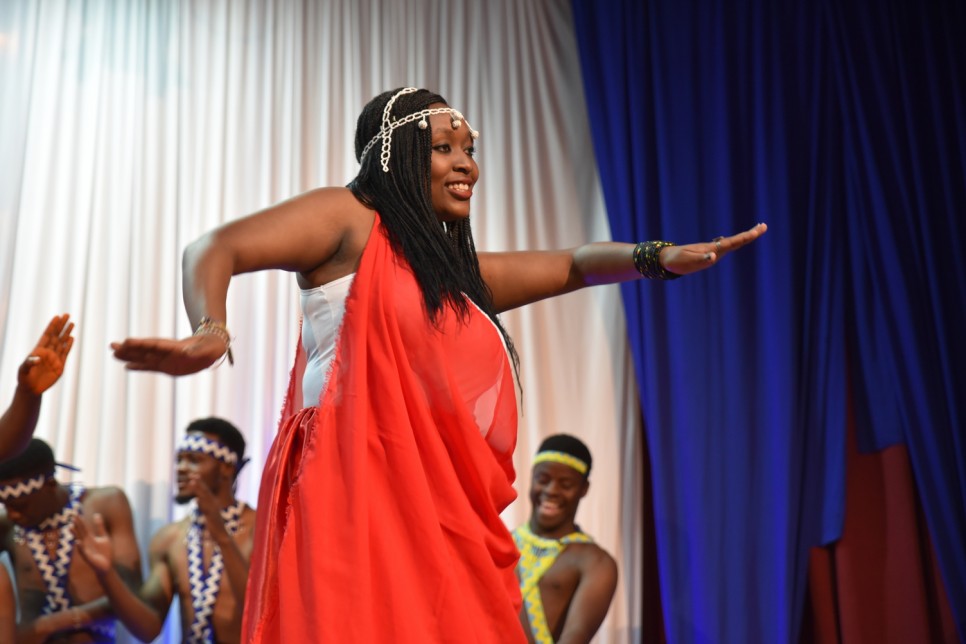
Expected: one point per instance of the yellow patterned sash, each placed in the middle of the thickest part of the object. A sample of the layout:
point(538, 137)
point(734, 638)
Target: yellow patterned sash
point(537, 554)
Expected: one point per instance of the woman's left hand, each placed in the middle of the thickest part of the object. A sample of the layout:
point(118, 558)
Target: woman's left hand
point(691, 258)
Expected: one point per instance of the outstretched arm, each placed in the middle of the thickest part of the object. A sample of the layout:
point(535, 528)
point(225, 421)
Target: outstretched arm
point(42, 368)
point(298, 235)
point(518, 278)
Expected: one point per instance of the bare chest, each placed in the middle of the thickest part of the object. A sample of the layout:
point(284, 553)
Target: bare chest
point(226, 608)
point(37, 562)
point(561, 579)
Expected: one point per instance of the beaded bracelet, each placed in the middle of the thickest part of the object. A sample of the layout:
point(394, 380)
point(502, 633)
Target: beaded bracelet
point(207, 326)
point(647, 260)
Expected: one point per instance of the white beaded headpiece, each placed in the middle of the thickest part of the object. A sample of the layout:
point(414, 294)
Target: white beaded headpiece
point(389, 124)
point(198, 442)
point(22, 488)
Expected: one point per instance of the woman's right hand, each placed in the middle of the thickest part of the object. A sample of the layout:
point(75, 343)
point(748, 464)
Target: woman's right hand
point(173, 357)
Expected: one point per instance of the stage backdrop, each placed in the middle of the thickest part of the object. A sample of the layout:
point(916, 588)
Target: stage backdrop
point(129, 129)
point(843, 126)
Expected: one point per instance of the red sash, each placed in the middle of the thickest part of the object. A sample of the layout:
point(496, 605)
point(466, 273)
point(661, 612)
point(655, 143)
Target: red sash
point(378, 514)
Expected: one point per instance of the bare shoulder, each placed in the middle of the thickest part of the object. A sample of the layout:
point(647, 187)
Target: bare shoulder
point(324, 205)
point(591, 556)
point(106, 499)
point(347, 220)
point(168, 535)
point(318, 234)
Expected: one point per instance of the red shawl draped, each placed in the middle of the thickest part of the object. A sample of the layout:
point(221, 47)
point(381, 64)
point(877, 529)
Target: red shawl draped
point(378, 514)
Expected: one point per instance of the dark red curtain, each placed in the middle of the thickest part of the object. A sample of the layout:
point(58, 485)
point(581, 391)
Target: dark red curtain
point(879, 583)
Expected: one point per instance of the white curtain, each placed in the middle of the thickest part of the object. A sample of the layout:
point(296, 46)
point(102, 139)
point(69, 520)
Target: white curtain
point(127, 129)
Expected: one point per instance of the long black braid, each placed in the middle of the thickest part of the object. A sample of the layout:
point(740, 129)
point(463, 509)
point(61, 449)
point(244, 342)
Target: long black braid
point(441, 255)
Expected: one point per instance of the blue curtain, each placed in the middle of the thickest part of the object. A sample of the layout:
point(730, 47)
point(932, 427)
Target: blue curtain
point(844, 128)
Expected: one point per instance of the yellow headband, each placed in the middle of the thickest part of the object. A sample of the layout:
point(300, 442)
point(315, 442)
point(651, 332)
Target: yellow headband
point(561, 457)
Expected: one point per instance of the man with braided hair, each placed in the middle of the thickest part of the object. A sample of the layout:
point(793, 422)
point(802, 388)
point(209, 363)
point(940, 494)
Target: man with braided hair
point(567, 581)
point(203, 559)
point(381, 497)
point(60, 597)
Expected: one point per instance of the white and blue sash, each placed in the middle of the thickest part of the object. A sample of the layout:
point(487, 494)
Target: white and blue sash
point(205, 582)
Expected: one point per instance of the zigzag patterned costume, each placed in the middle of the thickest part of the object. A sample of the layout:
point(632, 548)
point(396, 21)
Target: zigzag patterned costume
point(205, 582)
point(55, 573)
point(537, 554)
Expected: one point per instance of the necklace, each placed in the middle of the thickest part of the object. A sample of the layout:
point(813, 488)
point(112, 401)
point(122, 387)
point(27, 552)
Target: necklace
point(205, 582)
point(51, 543)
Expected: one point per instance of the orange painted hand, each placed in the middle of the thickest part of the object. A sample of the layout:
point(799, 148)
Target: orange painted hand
point(45, 364)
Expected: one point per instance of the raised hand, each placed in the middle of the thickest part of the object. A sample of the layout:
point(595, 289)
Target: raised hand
point(173, 357)
point(691, 258)
point(45, 364)
point(208, 504)
point(94, 543)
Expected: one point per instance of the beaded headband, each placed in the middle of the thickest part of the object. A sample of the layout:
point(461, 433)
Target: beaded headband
point(22, 488)
point(26, 486)
point(199, 443)
point(389, 125)
point(561, 457)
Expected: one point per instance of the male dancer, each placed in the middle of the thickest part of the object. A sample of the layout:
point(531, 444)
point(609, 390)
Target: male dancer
point(203, 558)
point(566, 580)
point(60, 596)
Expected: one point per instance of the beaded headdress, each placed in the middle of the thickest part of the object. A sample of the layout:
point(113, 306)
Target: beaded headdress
point(389, 124)
point(566, 450)
point(198, 442)
point(553, 456)
point(30, 484)
point(22, 488)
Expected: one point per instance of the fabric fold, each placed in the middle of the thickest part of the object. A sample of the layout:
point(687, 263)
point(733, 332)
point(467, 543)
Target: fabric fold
point(379, 510)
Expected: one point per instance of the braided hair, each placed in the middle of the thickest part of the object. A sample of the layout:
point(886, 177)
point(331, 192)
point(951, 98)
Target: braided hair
point(442, 255)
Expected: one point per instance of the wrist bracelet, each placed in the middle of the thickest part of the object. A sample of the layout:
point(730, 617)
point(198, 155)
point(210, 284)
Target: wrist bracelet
point(207, 326)
point(648, 263)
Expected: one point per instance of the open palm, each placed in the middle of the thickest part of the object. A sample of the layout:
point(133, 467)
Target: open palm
point(45, 364)
point(94, 543)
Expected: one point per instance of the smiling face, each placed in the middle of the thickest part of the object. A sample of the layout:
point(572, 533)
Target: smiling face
point(555, 492)
point(453, 170)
